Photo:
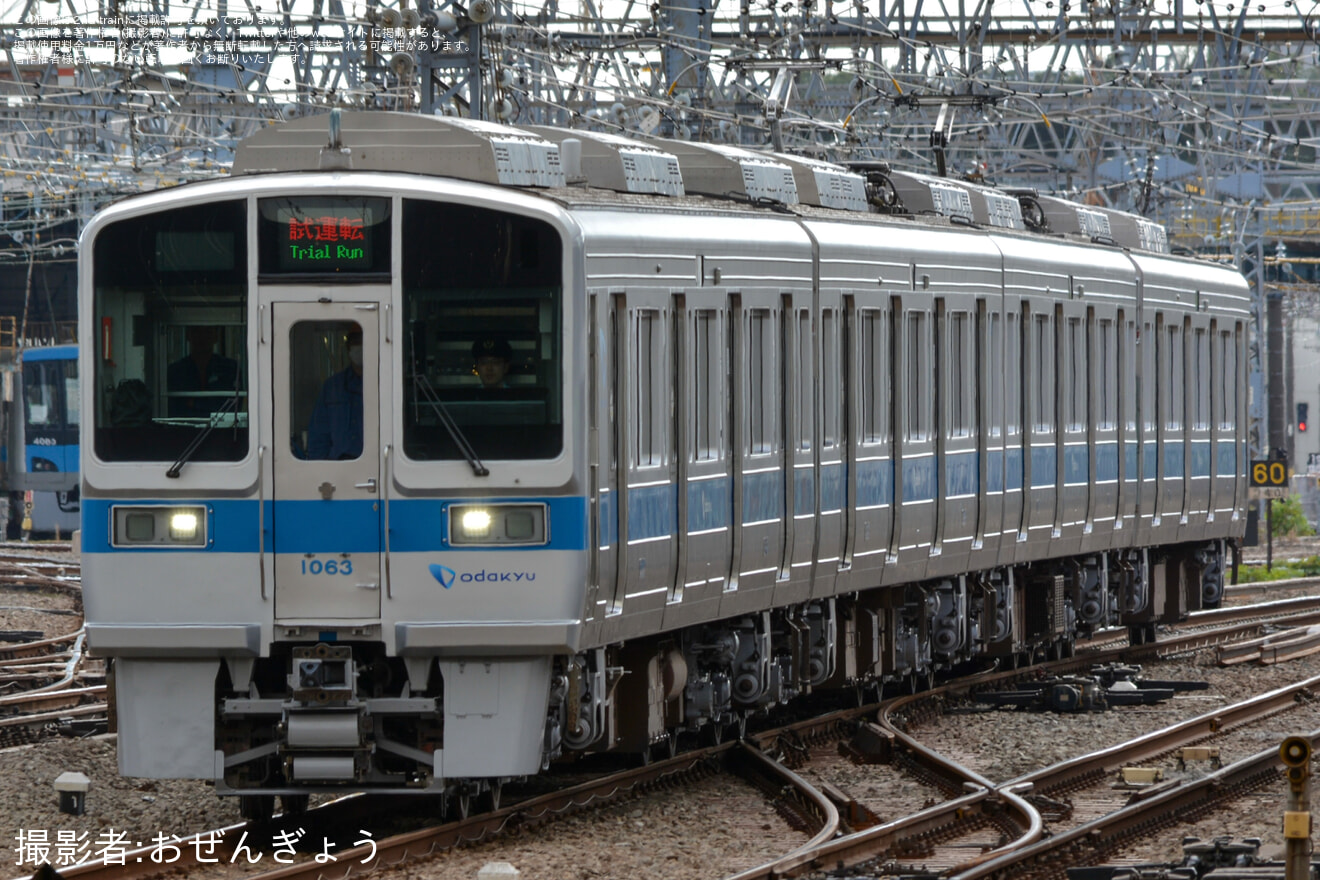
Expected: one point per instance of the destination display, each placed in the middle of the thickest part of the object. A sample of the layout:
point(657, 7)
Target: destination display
point(324, 236)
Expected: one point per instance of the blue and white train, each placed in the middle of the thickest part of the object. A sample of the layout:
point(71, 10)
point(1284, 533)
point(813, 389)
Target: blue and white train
point(42, 443)
point(765, 425)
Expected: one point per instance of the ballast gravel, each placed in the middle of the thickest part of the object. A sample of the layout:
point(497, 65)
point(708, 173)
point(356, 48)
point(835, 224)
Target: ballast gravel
point(711, 828)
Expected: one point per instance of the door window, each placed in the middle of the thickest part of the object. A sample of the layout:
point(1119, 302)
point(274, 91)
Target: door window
point(325, 390)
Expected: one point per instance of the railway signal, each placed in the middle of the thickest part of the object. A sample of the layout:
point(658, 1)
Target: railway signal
point(1295, 752)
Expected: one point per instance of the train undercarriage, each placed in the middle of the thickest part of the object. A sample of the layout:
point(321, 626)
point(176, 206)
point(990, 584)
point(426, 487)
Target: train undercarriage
point(713, 677)
point(345, 716)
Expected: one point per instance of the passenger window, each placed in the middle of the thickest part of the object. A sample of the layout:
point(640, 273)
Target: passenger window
point(1149, 343)
point(1044, 373)
point(708, 382)
point(998, 380)
point(875, 372)
point(918, 380)
point(832, 379)
point(325, 389)
point(1075, 364)
point(958, 362)
point(762, 382)
point(1173, 383)
point(1016, 369)
point(650, 390)
point(806, 385)
point(1200, 374)
point(1106, 384)
point(1228, 389)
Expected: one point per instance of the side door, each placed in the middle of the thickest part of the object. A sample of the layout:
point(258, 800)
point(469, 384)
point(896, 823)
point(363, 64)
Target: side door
point(325, 458)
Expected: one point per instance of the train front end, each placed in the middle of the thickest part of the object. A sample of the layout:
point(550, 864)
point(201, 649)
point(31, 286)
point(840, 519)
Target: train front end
point(322, 549)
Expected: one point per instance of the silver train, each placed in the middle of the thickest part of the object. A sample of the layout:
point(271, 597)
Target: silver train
point(759, 426)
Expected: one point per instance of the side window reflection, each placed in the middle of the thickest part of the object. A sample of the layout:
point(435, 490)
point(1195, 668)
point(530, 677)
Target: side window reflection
point(325, 364)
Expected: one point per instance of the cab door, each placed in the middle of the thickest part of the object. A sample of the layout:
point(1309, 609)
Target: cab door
point(325, 459)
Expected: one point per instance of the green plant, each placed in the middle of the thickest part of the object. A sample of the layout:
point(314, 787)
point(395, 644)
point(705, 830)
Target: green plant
point(1288, 518)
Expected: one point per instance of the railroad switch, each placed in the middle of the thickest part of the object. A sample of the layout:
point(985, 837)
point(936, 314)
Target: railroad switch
point(72, 788)
point(1106, 687)
point(871, 744)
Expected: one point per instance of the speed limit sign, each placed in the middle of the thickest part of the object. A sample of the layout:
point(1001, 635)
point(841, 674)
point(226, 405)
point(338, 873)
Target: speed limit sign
point(1271, 476)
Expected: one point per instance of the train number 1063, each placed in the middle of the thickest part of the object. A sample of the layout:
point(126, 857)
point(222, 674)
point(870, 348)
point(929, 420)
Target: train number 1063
point(329, 566)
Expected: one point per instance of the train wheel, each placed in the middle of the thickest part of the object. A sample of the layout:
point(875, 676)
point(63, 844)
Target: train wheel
point(496, 789)
point(256, 807)
point(294, 804)
point(463, 805)
point(742, 725)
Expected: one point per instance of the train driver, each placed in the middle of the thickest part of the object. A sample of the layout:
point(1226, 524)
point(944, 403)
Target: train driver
point(202, 370)
point(335, 428)
point(490, 357)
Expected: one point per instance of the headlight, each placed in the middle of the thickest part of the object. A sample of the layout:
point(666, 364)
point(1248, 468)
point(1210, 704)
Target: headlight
point(183, 526)
point(476, 523)
point(497, 524)
point(159, 526)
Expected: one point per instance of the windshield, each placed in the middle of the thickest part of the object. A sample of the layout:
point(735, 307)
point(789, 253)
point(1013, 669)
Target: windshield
point(170, 305)
point(482, 298)
point(49, 402)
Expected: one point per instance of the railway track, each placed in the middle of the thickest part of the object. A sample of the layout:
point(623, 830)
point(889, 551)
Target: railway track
point(31, 567)
point(982, 820)
point(47, 684)
point(44, 688)
point(1001, 824)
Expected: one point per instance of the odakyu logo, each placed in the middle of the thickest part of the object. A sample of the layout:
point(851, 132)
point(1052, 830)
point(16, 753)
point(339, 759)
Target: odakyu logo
point(447, 577)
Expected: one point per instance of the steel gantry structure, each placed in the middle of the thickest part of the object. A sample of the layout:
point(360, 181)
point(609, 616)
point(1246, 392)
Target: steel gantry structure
point(1198, 114)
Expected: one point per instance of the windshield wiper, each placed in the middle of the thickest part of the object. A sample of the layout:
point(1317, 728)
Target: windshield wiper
point(432, 399)
point(231, 405)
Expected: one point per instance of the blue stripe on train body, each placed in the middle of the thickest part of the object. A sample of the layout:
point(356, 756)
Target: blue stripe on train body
point(1224, 458)
point(1174, 460)
point(1076, 465)
point(875, 483)
point(1044, 460)
point(416, 525)
point(1106, 462)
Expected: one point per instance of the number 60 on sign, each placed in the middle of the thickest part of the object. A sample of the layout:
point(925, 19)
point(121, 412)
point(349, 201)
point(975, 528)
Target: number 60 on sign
point(1269, 473)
